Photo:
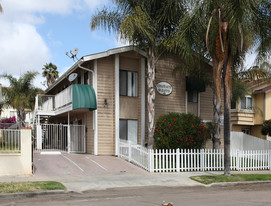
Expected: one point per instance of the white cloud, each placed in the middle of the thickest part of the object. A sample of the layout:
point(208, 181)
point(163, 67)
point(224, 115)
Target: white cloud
point(94, 4)
point(22, 48)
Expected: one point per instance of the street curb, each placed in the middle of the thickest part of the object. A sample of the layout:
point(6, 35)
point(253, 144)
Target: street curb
point(33, 194)
point(221, 184)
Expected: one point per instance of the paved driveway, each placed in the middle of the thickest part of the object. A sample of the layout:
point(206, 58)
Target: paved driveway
point(65, 164)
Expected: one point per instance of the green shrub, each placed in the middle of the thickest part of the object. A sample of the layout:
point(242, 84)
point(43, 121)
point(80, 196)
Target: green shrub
point(185, 131)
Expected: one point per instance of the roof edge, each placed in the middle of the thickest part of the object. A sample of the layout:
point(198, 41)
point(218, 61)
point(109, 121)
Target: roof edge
point(96, 56)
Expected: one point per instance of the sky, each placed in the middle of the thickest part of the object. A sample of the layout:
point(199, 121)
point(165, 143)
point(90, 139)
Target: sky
point(36, 32)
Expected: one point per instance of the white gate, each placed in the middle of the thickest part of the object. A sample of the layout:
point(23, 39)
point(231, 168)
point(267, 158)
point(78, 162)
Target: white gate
point(78, 138)
point(60, 137)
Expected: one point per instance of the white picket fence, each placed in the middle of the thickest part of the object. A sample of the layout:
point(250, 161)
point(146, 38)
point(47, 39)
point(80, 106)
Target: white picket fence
point(180, 160)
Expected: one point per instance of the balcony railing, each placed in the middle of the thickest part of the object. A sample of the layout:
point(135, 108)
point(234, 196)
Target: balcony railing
point(54, 102)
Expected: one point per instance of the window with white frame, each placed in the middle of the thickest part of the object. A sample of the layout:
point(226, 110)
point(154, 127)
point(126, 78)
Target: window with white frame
point(246, 103)
point(128, 130)
point(128, 83)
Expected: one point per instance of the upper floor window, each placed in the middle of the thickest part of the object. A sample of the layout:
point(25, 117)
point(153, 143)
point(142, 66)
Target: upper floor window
point(246, 103)
point(128, 83)
point(79, 80)
point(86, 77)
point(192, 96)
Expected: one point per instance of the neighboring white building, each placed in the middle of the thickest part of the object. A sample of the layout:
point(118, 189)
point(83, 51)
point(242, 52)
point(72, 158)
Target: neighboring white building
point(10, 112)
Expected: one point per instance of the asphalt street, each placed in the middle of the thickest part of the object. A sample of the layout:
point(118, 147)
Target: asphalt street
point(242, 195)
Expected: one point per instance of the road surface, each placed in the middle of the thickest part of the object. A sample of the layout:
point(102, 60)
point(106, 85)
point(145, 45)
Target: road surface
point(242, 195)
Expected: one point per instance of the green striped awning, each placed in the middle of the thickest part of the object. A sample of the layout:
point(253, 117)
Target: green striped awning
point(83, 96)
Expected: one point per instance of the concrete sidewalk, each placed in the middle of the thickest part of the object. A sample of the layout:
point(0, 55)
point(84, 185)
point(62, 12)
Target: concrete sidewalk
point(102, 182)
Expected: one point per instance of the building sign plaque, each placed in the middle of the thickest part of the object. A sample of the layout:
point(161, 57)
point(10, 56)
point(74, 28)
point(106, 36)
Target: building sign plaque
point(164, 88)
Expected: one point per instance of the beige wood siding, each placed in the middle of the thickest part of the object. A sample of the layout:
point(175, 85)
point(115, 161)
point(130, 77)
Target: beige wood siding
point(267, 105)
point(206, 104)
point(192, 107)
point(106, 113)
point(175, 102)
point(90, 132)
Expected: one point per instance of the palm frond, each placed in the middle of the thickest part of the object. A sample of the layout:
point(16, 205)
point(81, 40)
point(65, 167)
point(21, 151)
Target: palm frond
point(107, 20)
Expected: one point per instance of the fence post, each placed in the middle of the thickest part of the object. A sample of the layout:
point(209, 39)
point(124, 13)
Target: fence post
point(178, 160)
point(238, 160)
point(129, 151)
point(269, 159)
point(39, 137)
point(202, 160)
point(150, 160)
point(69, 138)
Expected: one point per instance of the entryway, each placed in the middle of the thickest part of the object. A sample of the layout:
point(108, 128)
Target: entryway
point(60, 137)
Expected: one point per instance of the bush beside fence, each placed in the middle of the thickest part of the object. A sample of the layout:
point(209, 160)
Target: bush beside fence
point(181, 160)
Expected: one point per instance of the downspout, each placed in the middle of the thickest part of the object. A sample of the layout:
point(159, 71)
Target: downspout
point(79, 65)
point(95, 127)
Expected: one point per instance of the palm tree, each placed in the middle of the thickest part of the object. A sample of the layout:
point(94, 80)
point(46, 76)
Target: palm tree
point(21, 94)
point(230, 28)
point(50, 73)
point(1, 8)
point(145, 24)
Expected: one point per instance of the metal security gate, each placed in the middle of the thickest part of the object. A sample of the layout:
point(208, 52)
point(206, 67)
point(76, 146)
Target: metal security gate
point(60, 137)
point(78, 139)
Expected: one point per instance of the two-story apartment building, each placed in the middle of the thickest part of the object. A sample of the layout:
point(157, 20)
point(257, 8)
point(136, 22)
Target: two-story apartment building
point(250, 112)
point(109, 97)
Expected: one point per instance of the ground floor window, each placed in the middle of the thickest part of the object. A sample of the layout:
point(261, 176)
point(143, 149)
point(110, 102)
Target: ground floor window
point(128, 130)
point(246, 131)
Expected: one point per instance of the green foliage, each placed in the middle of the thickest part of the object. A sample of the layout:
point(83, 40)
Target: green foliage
point(21, 93)
point(208, 179)
point(176, 130)
point(50, 73)
point(266, 129)
point(239, 89)
point(14, 187)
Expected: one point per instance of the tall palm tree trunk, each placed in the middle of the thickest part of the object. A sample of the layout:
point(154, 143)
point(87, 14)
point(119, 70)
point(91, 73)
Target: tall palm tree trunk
point(151, 95)
point(227, 115)
point(217, 68)
point(216, 120)
point(21, 117)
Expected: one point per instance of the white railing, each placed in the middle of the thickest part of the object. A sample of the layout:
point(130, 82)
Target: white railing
point(134, 153)
point(10, 141)
point(181, 160)
point(54, 102)
point(63, 98)
point(48, 105)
